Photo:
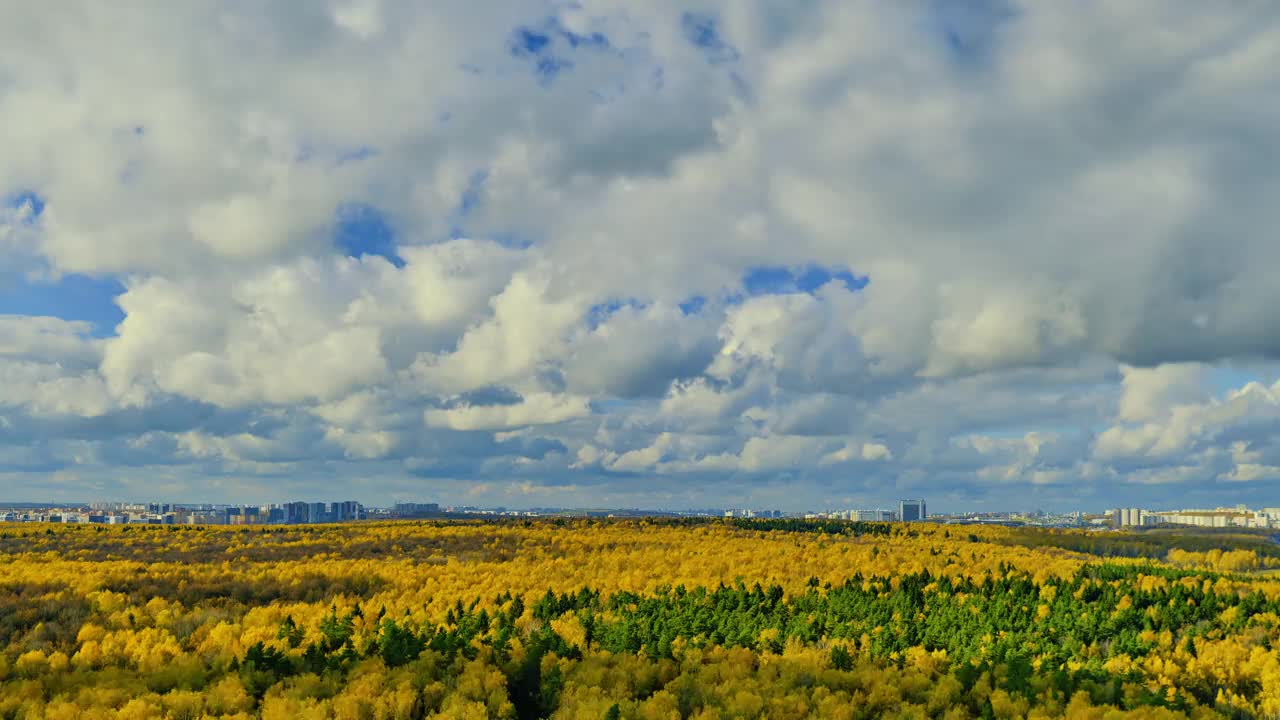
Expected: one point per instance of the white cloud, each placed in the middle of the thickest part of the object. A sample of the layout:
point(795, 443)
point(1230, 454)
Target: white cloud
point(276, 338)
point(1150, 393)
point(48, 390)
point(47, 338)
point(642, 458)
point(639, 352)
point(527, 328)
point(876, 451)
point(363, 19)
point(1065, 233)
point(533, 409)
point(363, 445)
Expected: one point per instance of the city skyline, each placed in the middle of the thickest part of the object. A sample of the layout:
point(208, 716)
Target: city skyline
point(907, 510)
point(935, 505)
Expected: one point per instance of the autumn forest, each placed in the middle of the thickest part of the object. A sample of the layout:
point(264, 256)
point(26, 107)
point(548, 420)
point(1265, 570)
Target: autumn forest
point(614, 619)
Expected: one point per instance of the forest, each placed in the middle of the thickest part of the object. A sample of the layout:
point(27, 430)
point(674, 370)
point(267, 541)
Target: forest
point(636, 619)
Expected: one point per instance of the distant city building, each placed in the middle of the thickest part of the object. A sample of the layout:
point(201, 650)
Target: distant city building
point(295, 513)
point(409, 509)
point(247, 515)
point(912, 510)
point(744, 513)
point(876, 515)
point(1220, 517)
point(343, 511)
point(1129, 517)
point(909, 510)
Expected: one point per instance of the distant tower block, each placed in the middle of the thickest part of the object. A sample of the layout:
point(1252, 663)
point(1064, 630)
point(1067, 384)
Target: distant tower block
point(1129, 517)
point(911, 510)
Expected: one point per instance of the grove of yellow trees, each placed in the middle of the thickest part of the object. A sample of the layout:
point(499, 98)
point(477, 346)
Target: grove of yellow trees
point(625, 619)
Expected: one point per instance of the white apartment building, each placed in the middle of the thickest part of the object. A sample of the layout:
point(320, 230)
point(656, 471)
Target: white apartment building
point(1217, 518)
point(1132, 517)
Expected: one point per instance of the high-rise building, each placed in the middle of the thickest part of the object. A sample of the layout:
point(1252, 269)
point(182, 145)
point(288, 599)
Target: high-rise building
point(912, 510)
point(1129, 517)
point(346, 511)
point(244, 515)
point(295, 513)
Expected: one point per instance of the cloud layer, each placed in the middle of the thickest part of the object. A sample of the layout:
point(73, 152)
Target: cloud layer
point(756, 252)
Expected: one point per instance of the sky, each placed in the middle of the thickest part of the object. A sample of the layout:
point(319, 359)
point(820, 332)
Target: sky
point(753, 253)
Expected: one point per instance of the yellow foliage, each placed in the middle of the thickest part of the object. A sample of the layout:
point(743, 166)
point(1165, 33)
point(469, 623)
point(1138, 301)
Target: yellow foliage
point(228, 697)
point(31, 663)
point(143, 708)
point(172, 621)
point(571, 629)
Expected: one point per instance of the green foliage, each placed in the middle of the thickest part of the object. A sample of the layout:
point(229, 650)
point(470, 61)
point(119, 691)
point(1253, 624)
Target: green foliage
point(994, 631)
point(841, 659)
point(337, 631)
point(290, 632)
point(533, 692)
point(263, 667)
point(398, 645)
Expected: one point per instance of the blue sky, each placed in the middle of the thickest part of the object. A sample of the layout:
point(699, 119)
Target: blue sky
point(361, 229)
point(798, 255)
point(74, 296)
point(71, 297)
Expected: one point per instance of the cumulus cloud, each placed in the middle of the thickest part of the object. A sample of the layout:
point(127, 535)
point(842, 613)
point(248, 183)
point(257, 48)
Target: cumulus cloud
point(640, 352)
point(280, 337)
point(48, 390)
point(1228, 438)
point(1150, 393)
point(47, 338)
point(1014, 267)
point(525, 329)
point(19, 237)
point(534, 409)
